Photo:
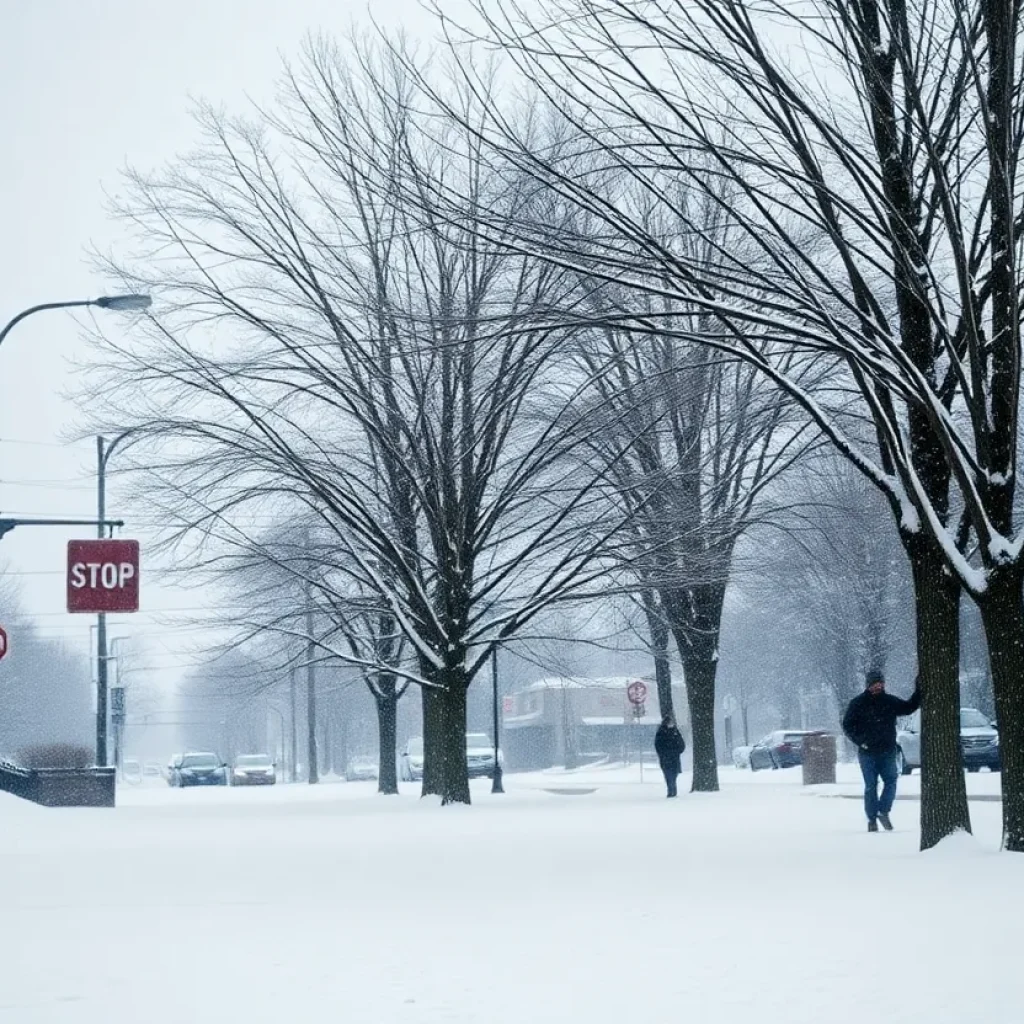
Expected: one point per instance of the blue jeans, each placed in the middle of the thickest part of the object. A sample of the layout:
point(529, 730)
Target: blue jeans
point(874, 767)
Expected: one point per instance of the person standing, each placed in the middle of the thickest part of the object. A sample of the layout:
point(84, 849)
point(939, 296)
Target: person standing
point(870, 723)
point(669, 746)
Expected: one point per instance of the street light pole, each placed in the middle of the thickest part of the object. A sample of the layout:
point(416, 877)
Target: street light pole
point(119, 303)
point(117, 709)
point(101, 620)
point(294, 745)
point(496, 785)
point(103, 453)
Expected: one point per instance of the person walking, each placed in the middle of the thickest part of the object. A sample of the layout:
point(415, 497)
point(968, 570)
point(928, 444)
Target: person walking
point(669, 746)
point(870, 723)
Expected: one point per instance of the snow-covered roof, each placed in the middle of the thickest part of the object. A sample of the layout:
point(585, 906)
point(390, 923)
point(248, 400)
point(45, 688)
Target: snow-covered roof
point(585, 682)
point(620, 720)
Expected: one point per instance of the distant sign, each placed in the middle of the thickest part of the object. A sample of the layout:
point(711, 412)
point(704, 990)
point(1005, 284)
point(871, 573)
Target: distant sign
point(636, 692)
point(3, 642)
point(103, 576)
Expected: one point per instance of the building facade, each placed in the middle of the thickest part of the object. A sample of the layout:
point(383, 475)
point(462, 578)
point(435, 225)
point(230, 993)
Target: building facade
point(569, 721)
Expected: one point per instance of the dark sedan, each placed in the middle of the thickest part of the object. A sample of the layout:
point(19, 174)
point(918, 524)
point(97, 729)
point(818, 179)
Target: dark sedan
point(781, 749)
point(199, 770)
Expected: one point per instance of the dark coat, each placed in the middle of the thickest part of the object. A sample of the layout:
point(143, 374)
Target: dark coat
point(669, 746)
point(870, 720)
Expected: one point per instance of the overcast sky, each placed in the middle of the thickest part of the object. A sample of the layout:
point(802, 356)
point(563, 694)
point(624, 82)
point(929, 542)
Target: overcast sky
point(89, 86)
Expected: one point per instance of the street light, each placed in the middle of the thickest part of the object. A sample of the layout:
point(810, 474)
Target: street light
point(103, 453)
point(124, 303)
point(496, 786)
point(131, 303)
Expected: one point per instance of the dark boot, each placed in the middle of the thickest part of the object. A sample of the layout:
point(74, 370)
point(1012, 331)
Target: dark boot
point(886, 823)
point(872, 826)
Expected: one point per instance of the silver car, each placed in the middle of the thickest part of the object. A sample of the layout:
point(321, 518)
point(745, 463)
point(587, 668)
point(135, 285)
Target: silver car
point(979, 743)
point(479, 757)
point(361, 769)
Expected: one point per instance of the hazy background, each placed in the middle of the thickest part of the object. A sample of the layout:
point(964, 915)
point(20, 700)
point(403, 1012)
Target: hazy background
point(88, 87)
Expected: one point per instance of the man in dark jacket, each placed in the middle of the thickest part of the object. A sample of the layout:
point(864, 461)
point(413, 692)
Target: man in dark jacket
point(669, 746)
point(870, 723)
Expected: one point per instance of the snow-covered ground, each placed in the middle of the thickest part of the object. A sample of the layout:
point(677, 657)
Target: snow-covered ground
point(765, 903)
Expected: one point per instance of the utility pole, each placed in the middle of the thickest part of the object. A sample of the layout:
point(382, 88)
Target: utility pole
point(294, 745)
point(314, 772)
point(496, 786)
point(101, 623)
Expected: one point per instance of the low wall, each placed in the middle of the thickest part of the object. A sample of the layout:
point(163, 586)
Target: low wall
point(60, 787)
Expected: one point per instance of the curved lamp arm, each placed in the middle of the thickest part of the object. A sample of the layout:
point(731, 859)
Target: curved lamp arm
point(119, 303)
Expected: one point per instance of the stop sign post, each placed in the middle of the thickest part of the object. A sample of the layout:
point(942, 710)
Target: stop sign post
point(103, 576)
point(636, 692)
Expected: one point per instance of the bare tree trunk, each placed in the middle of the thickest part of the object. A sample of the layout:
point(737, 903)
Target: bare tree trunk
point(944, 808)
point(659, 631)
point(1003, 615)
point(326, 750)
point(455, 782)
point(433, 759)
point(313, 768)
point(696, 623)
point(387, 734)
point(700, 696)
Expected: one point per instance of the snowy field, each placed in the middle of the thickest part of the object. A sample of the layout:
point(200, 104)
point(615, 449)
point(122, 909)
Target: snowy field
point(766, 903)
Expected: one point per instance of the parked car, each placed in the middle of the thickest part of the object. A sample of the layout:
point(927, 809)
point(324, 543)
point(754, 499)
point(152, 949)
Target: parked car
point(410, 761)
point(741, 756)
point(361, 769)
point(200, 769)
point(979, 743)
point(780, 749)
point(254, 770)
point(480, 755)
point(131, 771)
point(171, 771)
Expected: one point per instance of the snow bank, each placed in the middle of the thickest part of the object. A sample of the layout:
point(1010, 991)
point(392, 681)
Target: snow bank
point(330, 902)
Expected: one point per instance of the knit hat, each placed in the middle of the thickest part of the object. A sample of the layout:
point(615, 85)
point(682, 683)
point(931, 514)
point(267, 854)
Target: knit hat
point(874, 676)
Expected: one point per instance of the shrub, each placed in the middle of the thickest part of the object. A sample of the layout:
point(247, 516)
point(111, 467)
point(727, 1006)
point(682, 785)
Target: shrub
point(55, 755)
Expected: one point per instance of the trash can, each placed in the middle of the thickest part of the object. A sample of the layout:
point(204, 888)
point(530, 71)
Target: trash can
point(819, 758)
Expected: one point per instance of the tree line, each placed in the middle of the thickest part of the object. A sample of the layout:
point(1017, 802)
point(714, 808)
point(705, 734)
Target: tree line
point(554, 312)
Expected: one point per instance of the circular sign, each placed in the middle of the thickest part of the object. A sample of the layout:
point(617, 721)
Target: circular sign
point(3, 641)
point(636, 692)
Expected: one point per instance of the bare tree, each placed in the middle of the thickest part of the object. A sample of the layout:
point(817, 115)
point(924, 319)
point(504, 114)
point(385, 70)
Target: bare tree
point(327, 345)
point(834, 577)
point(904, 163)
point(44, 686)
point(297, 600)
point(692, 442)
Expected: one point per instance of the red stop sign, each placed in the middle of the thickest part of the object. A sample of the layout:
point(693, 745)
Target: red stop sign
point(637, 693)
point(103, 576)
point(3, 642)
